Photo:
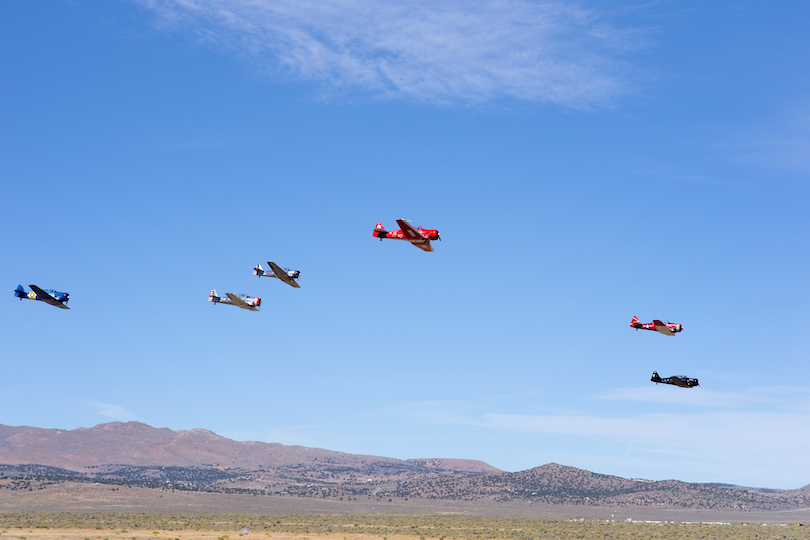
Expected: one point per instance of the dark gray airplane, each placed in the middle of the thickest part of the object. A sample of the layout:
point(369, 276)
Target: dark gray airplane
point(677, 380)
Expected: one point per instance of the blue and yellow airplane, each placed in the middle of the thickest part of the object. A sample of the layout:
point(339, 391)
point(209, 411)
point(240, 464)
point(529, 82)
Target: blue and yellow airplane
point(52, 297)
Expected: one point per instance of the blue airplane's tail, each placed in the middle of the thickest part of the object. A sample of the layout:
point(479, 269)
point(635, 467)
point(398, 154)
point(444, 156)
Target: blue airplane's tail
point(19, 292)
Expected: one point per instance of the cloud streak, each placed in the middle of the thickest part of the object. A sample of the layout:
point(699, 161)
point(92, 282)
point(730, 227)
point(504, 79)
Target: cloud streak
point(715, 438)
point(450, 52)
point(116, 412)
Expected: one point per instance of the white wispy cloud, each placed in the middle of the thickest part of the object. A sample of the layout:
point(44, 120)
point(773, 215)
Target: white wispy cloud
point(116, 412)
point(778, 141)
point(779, 397)
point(437, 52)
point(717, 437)
point(289, 435)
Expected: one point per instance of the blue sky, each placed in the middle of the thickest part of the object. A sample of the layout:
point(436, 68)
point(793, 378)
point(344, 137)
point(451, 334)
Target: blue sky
point(584, 162)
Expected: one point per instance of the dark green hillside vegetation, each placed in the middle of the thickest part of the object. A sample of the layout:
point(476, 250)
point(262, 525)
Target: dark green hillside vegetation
point(558, 484)
point(451, 527)
point(550, 484)
point(179, 478)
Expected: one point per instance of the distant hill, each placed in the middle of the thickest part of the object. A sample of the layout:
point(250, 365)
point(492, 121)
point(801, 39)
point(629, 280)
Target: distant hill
point(559, 484)
point(199, 460)
point(140, 445)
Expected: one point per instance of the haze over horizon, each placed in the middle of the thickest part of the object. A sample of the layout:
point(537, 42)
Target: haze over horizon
point(584, 162)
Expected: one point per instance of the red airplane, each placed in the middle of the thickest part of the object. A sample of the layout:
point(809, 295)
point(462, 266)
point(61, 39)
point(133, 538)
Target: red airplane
point(417, 236)
point(665, 327)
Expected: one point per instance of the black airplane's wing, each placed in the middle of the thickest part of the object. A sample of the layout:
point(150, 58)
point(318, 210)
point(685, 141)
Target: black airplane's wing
point(282, 275)
point(47, 298)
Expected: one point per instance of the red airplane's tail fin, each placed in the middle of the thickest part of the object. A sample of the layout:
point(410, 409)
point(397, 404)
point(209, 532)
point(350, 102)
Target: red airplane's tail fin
point(635, 321)
point(379, 230)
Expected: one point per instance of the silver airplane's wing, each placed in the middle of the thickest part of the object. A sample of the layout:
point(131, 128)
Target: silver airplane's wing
point(47, 298)
point(238, 302)
point(282, 275)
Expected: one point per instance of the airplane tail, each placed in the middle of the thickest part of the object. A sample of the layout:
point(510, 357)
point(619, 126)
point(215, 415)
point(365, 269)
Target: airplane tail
point(655, 377)
point(212, 296)
point(258, 271)
point(19, 292)
point(635, 321)
point(379, 231)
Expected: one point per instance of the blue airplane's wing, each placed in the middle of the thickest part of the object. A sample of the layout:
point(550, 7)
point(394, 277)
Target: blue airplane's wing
point(47, 298)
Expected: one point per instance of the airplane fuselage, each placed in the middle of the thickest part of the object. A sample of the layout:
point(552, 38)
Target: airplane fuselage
point(58, 296)
point(295, 274)
point(430, 234)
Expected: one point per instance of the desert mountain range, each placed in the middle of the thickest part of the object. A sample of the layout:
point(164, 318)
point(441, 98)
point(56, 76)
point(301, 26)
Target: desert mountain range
point(135, 443)
point(198, 459)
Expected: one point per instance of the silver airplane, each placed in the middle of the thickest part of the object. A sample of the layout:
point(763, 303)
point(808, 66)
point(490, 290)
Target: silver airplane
point(239, 300)
point(284, 274)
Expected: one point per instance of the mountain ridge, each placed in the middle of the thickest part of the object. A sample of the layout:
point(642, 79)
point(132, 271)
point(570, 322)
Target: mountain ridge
point(197, 459)
point(136, 443)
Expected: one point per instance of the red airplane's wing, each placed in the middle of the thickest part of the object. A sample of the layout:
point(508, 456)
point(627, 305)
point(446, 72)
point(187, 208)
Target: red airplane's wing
point(414, 236)
point(409, 231)
point(663, 328)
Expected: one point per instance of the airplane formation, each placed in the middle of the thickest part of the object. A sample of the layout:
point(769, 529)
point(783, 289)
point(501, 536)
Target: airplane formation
point(252, 303)
point(417, 236)
point(668, 329)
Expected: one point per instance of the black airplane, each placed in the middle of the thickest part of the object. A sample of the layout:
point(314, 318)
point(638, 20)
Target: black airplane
point(677, 380)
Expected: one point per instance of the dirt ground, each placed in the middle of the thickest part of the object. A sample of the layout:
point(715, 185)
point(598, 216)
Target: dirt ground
point(83, 497)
